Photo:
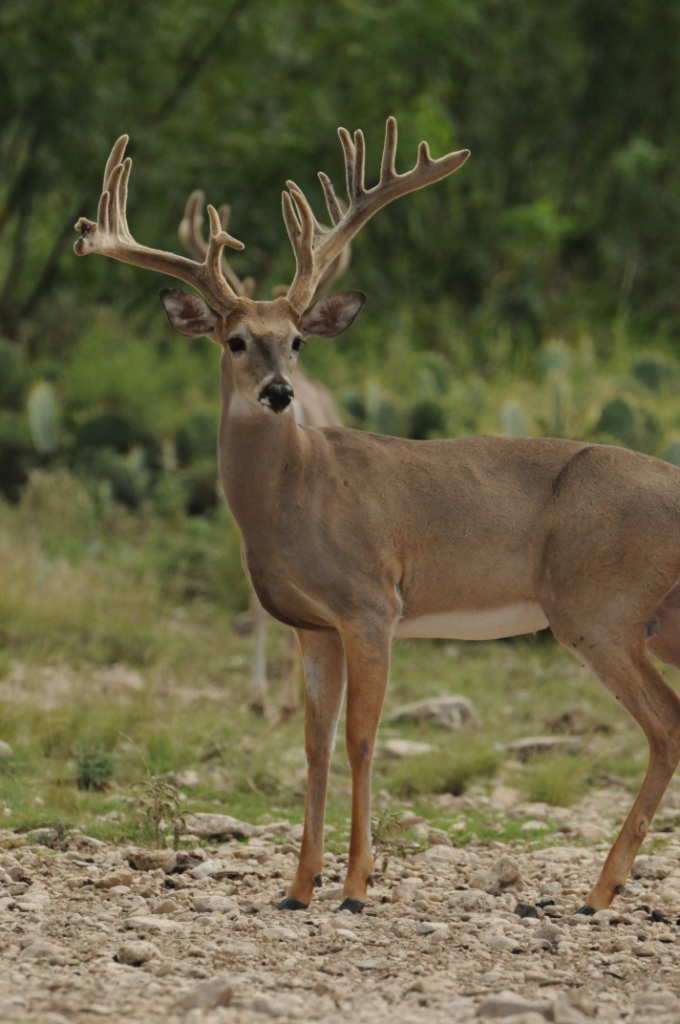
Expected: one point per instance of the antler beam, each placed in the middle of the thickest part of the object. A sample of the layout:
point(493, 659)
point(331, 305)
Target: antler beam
point(315, 247)
point(110, 236)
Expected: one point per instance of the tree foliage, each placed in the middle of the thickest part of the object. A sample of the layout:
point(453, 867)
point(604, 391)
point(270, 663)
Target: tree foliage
point(567, 211)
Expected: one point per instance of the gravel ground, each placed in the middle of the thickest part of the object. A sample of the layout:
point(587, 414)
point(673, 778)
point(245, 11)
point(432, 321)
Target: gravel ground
point(94, 932)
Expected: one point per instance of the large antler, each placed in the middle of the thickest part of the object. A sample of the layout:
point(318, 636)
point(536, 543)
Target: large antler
point(110, 236)
point(191, 236)
point(316, 247)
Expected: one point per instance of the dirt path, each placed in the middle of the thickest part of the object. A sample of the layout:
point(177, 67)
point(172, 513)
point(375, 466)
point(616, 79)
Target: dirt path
point(86, 937)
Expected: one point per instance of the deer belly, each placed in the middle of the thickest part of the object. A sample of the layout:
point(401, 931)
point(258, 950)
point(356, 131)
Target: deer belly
point(510, 620)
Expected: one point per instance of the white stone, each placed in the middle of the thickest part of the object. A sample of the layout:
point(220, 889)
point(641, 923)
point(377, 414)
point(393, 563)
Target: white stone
point(407, 748)
point(449, 712)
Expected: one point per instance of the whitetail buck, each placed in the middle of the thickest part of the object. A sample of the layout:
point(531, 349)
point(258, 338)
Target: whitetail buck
point(314, 407)
point(353, 538)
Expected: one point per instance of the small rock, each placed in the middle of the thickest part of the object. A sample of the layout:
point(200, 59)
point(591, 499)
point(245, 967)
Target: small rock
point(534, 826)
point(207, 995)
point(219, 826)
point(187, 778)
point(428, 927)
point(649, 867)
point(374, 963)
point(407, 748)
point(7, 903)
point(504, 875)
point(590, 830)
point(650, 948)
point(551, 933)
point(168, 906)
point(504, 944)
point(271, 1007)
point(448, 712)
point(150, 860)
point(526, 910)
point(214, 905)
point(332, 894)
point(136, 953)
point(473, 901)
point(279, 934)
point(438, 837)
point(565, 1013)
point(6, 752)
point(510, 1004)
point(115, 878)
point(657, 999)
point(209, 868)
point(151, 924)
point(504, 797)
point(530, 747)
point(43, 950)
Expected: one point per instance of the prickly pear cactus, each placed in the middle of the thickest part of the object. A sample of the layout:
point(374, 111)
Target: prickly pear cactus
point(43, 418)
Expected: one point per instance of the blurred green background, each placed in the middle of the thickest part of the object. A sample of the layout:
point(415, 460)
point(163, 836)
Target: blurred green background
point(531, 293)
point(534, 292)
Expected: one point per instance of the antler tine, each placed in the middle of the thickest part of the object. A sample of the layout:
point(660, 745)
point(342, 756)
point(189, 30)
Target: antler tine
point(191, 236)
point(110, 236)
point(327, 246)
point(190, 233)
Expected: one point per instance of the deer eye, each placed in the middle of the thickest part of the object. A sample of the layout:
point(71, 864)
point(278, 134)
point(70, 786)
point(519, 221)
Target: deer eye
point(297, 344)
point(236, 344)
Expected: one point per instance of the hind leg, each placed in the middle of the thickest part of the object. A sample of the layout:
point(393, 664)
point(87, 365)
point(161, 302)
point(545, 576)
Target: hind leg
point(655, 706)
point(290, 693)
point(664, 629)
point(257, 690)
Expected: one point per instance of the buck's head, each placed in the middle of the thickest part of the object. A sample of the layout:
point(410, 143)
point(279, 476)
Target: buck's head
point(262, 340)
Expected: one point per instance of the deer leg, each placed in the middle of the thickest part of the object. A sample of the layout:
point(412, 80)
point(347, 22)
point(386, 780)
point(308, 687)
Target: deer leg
point(367, 671)
point(290, 696)
point(324, 664)
point(257, 691)
point(655, 706)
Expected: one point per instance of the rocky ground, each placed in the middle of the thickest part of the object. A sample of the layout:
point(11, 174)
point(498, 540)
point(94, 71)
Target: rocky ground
point(94, 932)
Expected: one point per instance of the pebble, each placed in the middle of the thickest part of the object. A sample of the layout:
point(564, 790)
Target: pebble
point(508, 1003)
point(207, 995)
point(407, 748)
point(136, 953)
point(219, 826)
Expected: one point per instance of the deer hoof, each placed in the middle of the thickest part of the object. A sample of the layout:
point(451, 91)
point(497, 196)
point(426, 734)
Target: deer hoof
point(354, 906)
point(290, 903)
point(587, 911)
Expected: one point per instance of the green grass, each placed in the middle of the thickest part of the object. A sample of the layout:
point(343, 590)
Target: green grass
point(99, 654)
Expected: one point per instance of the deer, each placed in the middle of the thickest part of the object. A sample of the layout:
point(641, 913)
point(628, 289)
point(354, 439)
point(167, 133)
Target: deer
point(354, 539)
point(314, 407)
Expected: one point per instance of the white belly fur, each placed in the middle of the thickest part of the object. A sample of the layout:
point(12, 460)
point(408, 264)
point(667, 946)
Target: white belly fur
point(513, 619)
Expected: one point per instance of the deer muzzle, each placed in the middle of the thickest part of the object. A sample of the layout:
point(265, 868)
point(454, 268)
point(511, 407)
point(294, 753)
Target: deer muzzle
point(276, 396)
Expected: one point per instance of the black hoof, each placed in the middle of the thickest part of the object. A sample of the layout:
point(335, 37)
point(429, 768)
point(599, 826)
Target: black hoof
point(354, 906)
point(587, 911)
point(291, 904)
point(526, 910)
point(318, 881)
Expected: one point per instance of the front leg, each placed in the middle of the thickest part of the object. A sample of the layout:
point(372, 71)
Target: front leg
point(367, 671)
point(324, 665)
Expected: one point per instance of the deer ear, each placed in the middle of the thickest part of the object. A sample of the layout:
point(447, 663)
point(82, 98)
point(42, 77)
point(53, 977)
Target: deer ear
point(331, 315)
point(189, 314)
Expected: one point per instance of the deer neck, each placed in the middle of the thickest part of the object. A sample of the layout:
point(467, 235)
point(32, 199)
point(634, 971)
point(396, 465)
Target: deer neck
point(259, 451)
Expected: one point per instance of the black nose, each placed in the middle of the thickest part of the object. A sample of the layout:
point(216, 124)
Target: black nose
point(277, 396)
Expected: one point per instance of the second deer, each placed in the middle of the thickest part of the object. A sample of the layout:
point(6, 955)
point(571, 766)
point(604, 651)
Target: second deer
point(313, 406)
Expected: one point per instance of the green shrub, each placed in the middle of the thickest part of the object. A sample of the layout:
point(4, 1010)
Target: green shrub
point(442, 773)
point(95, 767)
point(555, 780)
